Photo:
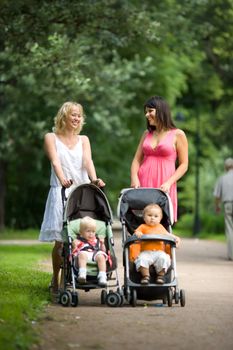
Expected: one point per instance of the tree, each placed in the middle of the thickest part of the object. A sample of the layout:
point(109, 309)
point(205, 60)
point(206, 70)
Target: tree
point(48, 58)
point(110, 55)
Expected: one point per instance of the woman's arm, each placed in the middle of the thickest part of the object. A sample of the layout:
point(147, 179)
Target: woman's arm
point(88, 162)
point(137, 160)
point(51, 151)
point(181, 145)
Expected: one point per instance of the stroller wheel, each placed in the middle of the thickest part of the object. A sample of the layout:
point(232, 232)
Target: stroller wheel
point(113, 299)
point(122, 299)
point(74, 297)
point(169, 297)
point(182, 298)
point(176, 297)
point(66, 298)
point(103, 296)
point(133, 297)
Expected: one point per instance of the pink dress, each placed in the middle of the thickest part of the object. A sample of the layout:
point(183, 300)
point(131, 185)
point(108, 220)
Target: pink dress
point(159, 164)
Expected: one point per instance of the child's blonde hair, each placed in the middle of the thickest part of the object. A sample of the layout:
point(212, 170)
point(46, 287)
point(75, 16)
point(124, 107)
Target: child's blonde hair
point(63, 113)
point(87, 222)
point(152, 206)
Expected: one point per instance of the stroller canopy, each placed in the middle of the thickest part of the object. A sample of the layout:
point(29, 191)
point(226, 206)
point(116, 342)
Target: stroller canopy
point(132, 202)
point(87, 200)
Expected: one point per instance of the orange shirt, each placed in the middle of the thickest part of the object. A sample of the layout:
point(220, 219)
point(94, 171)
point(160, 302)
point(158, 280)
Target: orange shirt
point(149, 245)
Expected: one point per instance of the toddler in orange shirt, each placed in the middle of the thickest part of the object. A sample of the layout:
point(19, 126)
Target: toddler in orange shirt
point(153, 253)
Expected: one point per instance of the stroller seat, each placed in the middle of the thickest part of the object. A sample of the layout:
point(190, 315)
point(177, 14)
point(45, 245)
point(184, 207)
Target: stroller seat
point(135, 276)
point(73, 229)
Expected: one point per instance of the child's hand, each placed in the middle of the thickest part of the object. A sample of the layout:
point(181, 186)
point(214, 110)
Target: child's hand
point(178, 240)
point(102, 245)
point(138, 234)
point(74, 243)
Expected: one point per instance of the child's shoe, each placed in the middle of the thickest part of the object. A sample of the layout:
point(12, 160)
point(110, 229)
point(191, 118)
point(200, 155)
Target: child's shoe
point(160, 279)
point(102, 279)
point(82, 279)
point(82, 276)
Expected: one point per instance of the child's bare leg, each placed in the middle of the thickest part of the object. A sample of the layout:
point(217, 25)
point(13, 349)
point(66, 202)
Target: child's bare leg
point(145, 274)
point(82, 260)
point(144, 271)
point(82, 263)
point(56, 262)
point(101, 262)
point(161, 273)
point(160, 277)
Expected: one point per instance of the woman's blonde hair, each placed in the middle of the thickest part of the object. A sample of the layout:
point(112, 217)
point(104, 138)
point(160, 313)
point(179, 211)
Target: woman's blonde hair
point(87, 222)
point(62, 114)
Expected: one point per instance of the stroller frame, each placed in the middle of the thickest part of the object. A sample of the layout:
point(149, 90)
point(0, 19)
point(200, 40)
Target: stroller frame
point(87, 199)
point(134, 200)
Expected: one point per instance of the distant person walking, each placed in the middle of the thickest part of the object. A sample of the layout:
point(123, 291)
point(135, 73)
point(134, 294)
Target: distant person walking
point(223, 192)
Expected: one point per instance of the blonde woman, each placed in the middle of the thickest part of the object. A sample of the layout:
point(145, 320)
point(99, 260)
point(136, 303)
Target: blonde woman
point(71, 164)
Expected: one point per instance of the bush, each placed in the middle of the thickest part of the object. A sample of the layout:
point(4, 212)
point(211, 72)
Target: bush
point(209, 224)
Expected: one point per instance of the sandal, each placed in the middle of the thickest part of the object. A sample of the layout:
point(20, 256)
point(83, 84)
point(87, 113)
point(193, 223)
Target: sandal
point(55, 297)
point(145, 280)
point(160, 279)
point(51, 284)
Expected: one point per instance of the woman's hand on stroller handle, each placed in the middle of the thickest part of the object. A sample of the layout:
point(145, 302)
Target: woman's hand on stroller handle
point(63, 191)
point(67, 183)
point(98, 182)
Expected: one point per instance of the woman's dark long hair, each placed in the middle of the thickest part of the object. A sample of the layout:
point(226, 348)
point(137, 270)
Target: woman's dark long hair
point(163, 113)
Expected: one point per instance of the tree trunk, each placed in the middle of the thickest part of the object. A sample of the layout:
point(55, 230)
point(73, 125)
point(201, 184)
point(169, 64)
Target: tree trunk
point(2, 193)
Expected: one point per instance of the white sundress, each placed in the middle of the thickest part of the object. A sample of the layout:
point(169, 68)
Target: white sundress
point(71, 162)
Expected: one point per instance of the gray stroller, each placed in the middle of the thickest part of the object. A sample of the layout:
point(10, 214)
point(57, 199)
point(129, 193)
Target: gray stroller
point(88, 200)
point(130, 207)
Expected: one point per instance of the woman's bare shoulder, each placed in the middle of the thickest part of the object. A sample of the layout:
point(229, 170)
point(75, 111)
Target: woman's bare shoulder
point(84, 138)
point(49, 137)
point(180, 132)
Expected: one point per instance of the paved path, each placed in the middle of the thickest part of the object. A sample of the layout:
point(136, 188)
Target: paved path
point(19, 242)
point(205, 323)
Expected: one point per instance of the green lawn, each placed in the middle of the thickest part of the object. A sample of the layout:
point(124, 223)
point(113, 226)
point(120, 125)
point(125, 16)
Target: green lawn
point(24, 293)
point(220, 237)
point(19, 234)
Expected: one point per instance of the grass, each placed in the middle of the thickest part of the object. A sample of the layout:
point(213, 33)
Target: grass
point(19, 234)
point(220, 237)
point(24, 293)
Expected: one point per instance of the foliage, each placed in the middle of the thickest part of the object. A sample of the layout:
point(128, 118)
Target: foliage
point(23, 294)
point(210, 225)
point(28, 234)
point(110, 56)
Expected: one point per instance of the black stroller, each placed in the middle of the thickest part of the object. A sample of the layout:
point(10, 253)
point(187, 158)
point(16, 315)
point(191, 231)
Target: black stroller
point(130, 207)
point(88, 200)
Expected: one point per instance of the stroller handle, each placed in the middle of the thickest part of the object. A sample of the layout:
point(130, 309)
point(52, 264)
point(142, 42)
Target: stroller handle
point(151, 237)
point(63, 194)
